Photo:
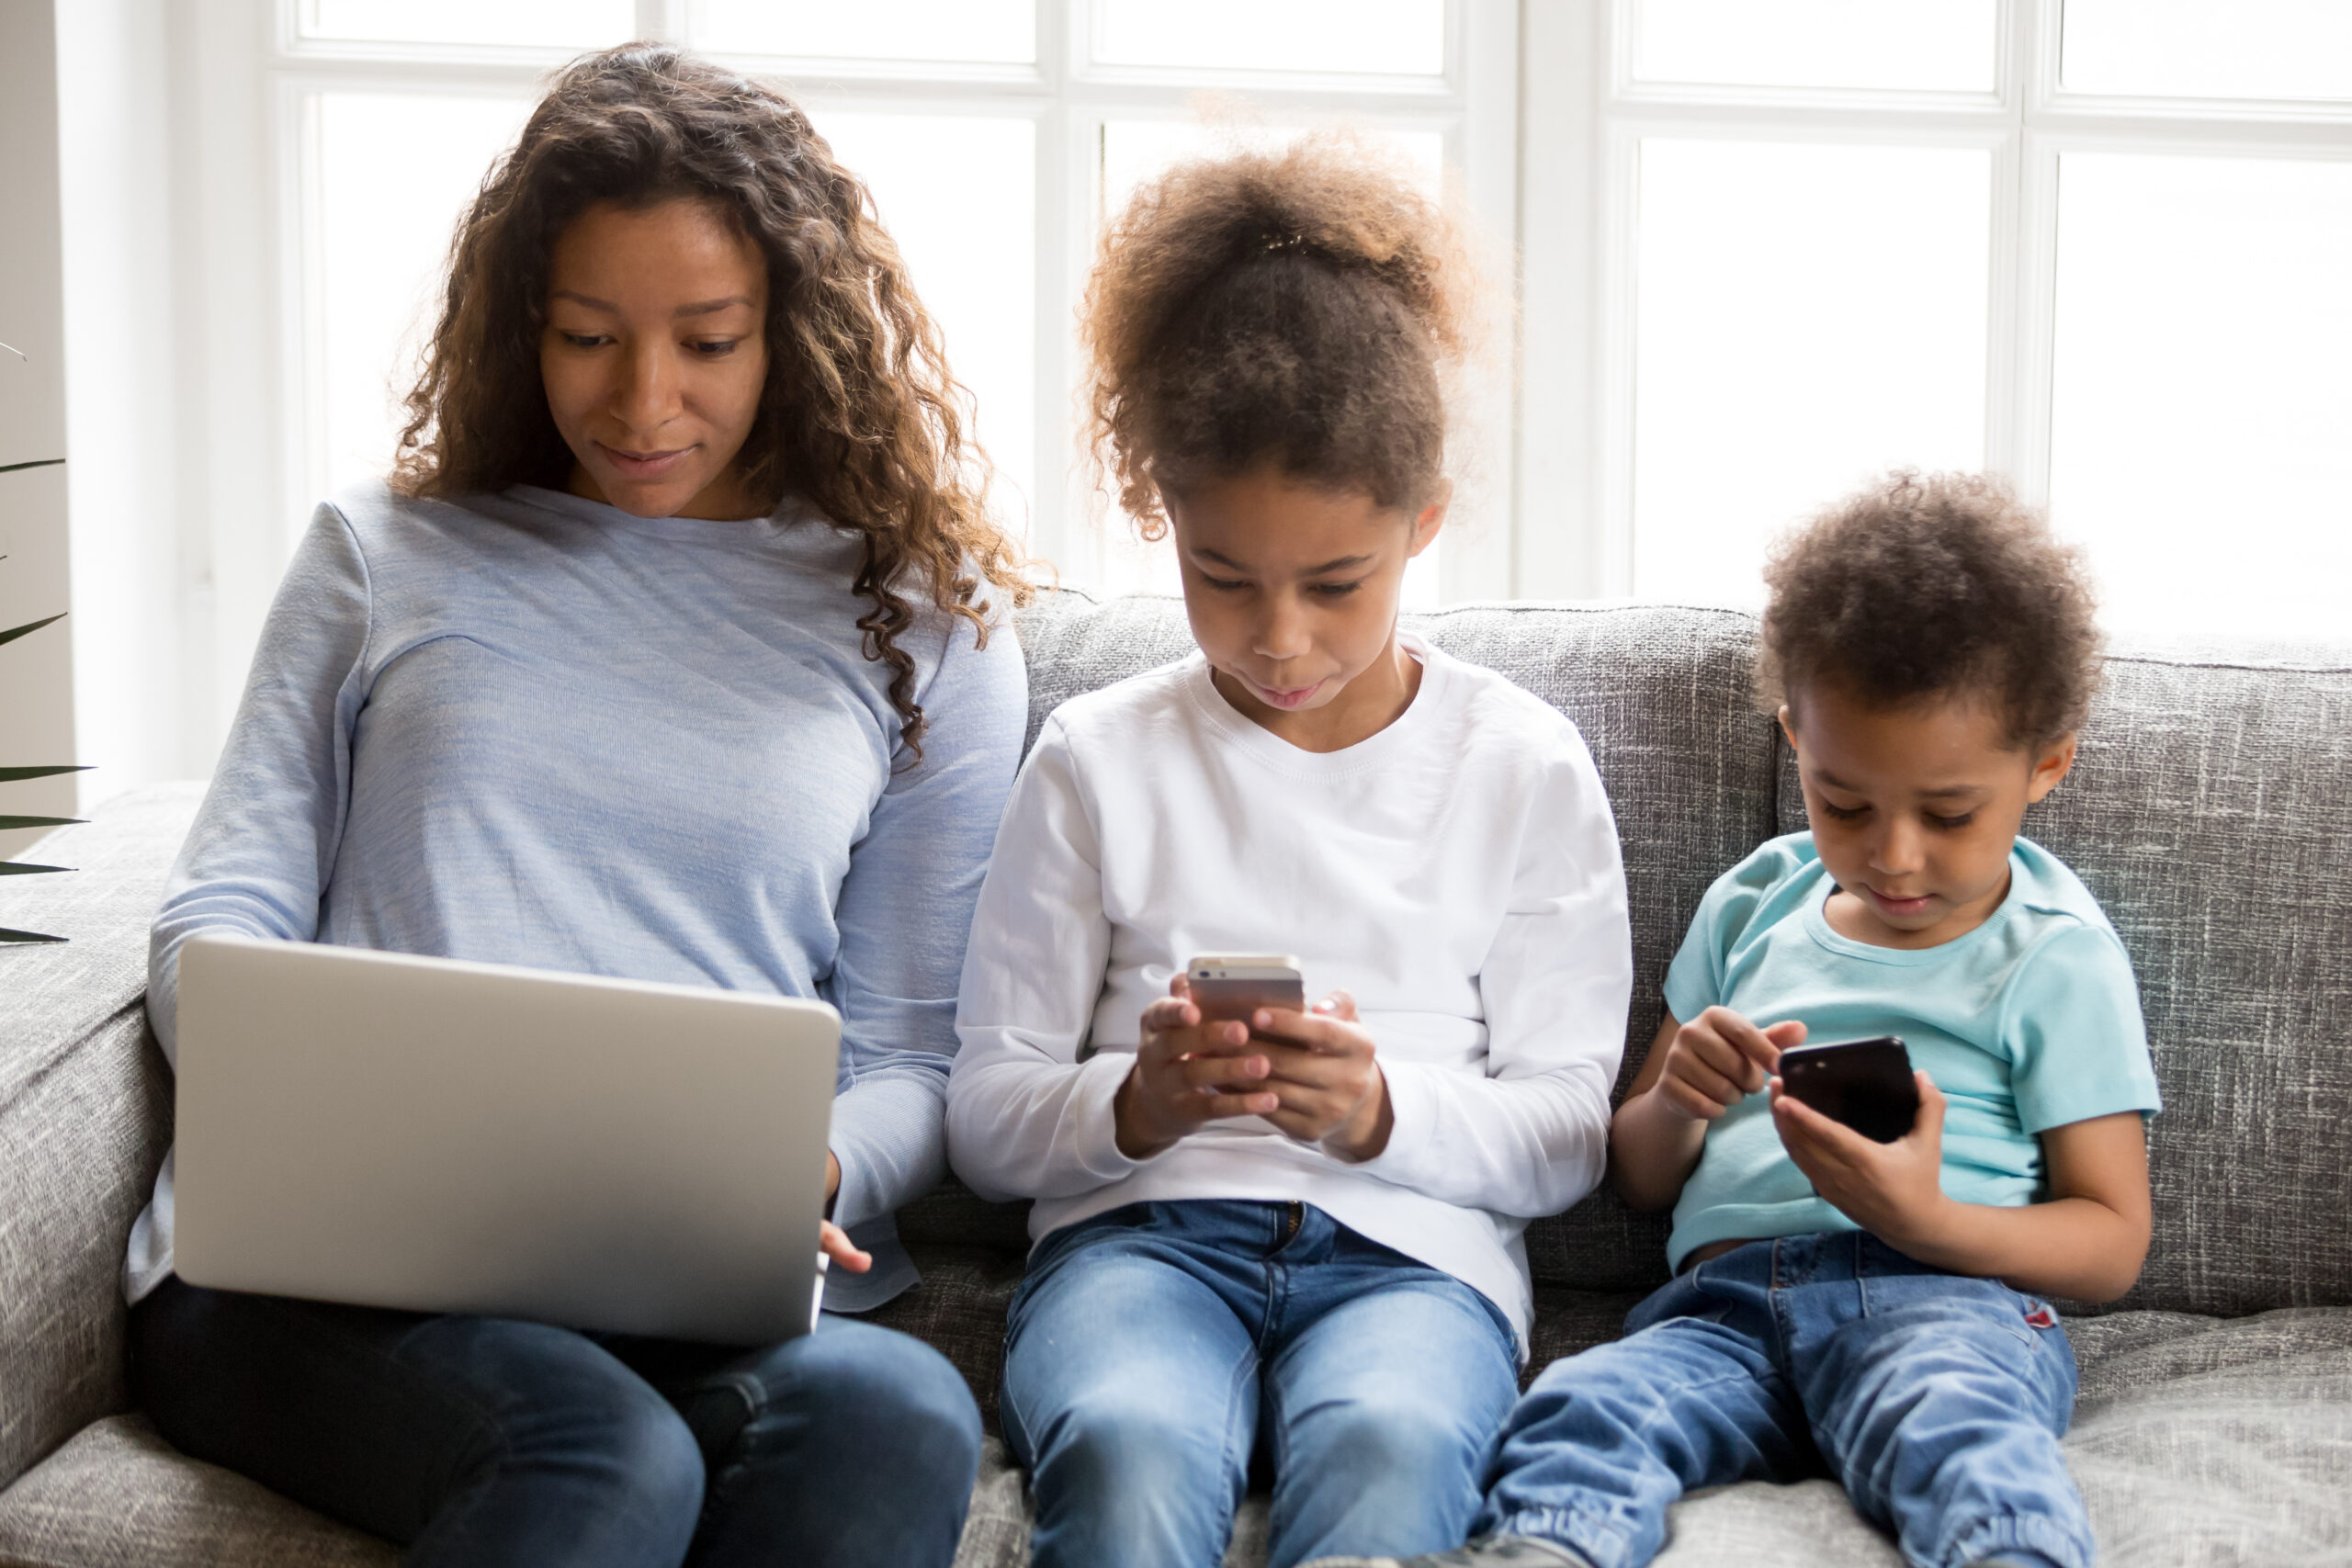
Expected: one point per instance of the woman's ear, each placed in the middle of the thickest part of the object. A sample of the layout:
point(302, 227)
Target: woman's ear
point(2051, 764)
point(1431, 519)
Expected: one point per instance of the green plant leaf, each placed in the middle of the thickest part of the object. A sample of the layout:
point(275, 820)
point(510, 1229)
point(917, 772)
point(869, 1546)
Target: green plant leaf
point(27, 868)
point(36, 463)
point(12, 633)
point(8, 936)
point(7, 822)
point(10, 775)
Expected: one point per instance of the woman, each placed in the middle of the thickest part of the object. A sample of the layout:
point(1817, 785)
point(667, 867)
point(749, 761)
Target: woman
point(668, 655)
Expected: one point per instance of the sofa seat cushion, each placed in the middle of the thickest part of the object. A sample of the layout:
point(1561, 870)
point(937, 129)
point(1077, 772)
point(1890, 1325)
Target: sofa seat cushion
point(117, 1496)
point(2198, 1442)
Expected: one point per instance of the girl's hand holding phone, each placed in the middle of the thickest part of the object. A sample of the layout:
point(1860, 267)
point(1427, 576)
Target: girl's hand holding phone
point(1330, 1087)
point(1188, 1072)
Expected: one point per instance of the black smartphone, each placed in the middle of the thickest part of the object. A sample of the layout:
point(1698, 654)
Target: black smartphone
point(1866, 1084)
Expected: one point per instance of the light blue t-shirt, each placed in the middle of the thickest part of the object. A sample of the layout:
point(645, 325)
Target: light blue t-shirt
point(2030, 1022)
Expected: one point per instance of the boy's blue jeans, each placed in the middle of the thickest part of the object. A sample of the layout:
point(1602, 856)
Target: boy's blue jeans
point(1936, 1400)
point(1154, 1347)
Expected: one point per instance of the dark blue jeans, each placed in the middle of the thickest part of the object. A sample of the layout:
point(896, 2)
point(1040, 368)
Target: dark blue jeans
point(480, 1441)
point(1154, 1348)
point(1936, 1400)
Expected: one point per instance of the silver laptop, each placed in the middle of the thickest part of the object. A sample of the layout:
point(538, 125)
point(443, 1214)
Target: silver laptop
point(444, 1137)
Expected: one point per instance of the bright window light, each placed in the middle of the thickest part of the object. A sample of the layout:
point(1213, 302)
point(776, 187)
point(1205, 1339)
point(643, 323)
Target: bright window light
point(1395, 37)
point(1936, 45)
point(2198, 49)
point(394, 172)
point(981, 31)
point(562, 24)
point(959, 198)
point(2202, 395)
point(1805, 317)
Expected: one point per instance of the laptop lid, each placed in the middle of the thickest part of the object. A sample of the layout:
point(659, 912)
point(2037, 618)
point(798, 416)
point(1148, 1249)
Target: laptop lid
point(446, 1137)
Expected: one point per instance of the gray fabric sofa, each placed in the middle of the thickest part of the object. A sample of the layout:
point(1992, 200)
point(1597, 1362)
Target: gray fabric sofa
point(2207, 813)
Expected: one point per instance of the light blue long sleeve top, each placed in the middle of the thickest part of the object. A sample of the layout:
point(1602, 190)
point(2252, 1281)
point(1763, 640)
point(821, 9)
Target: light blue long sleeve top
point(531, 728)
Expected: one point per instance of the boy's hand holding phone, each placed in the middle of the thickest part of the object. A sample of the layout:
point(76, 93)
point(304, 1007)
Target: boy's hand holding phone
point(1718, 1059)
point(1893, 1190)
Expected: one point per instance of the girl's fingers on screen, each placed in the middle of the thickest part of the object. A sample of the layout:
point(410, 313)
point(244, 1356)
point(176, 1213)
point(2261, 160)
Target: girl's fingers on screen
point(1215, 1070)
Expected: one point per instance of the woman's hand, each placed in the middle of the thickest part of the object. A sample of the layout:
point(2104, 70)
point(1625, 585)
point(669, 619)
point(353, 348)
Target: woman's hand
point(835, 1244)
point(832, 1240)
point(1328, 1087)
point(1718, 1059)
point(1187, 1074)
point(1891, 1190)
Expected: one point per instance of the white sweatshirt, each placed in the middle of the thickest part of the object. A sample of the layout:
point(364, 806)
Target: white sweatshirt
point(1458, 873)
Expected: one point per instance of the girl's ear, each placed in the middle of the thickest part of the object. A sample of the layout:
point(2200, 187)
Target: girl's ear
point(1786, 728)
point(1431, 519)
point(2050, 764)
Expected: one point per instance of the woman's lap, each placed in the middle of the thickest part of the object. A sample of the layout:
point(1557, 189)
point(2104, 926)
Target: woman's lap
point(484, 1441)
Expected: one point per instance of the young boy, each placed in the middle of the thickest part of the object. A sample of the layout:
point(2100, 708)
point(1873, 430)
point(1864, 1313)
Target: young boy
point(1875, 1309)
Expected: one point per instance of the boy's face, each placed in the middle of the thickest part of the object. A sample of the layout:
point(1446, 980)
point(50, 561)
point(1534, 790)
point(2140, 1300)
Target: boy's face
point(1293, 590)
point(1914, 810)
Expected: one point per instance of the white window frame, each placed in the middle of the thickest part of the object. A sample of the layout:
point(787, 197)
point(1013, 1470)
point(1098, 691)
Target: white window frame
point(1579, 225)
point(254, 418)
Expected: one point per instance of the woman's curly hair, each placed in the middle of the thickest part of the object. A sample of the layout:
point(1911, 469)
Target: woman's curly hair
point(1927, 585)
point(860, 415)
point(1307, 308)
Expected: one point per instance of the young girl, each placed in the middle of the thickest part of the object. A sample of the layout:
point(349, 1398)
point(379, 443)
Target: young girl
point(665, 658)
point(1297, 1239)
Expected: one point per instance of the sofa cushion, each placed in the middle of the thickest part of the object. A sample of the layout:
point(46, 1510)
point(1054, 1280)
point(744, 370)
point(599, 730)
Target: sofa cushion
point(118, 1496)
point(85, 1109)
point(2206, 813)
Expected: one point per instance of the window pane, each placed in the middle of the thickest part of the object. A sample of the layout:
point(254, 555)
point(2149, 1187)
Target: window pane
point(1132, 150)
point(2201, 389)
point(569, 24)
point(991, 31)
point(1945, 45)
point(394, 172)
point(2197, 49)
point(1387, 38)
point(1806, 316)
point(959, 195)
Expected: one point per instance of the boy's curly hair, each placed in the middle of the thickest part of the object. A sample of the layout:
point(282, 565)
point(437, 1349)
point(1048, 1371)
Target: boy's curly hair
point(860, 415)
point(1928, 585)
point(1305, 308)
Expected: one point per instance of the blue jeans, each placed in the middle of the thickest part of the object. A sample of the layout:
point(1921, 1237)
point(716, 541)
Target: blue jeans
point(1154, 1348)
point(1936, 1400)
point(478, 1441)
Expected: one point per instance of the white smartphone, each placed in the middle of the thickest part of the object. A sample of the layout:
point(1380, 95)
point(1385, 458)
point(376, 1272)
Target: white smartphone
point(1232, 986)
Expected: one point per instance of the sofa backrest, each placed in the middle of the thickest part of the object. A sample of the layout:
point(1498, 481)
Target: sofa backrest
point(85, 1112)
point(2207, 813)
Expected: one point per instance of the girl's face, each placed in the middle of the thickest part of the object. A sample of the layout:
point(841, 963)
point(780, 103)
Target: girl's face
point(1293, 591)
point(1914, 810)
point(654, 357)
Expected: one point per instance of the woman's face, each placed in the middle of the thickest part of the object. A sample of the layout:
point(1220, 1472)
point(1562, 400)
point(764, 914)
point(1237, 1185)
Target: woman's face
point(654, 357)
